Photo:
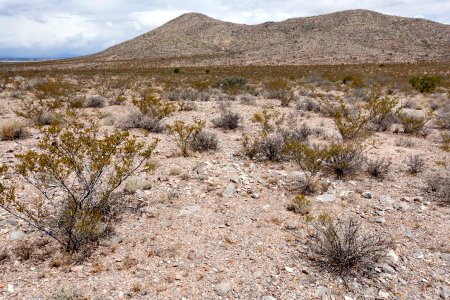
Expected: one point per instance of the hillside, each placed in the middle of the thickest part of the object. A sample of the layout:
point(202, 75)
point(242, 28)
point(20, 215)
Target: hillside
point(355, 36)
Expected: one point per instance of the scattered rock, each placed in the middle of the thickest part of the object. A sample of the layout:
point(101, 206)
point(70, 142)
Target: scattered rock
point(326, 198)
point(402, 206)
point(235, 178)
point(189, 210)
point(322, 291)
point(17, 235)
point(229, 190)
point(348, 298)
point(445, 293)
point(383, 294)
point(445, 257)
point(269, 298)
point(223, 288)
point(255, 195)
point(388, 269)
point(418, 255)
point(10, 288)
point(367, 195)
point(391, 254)
point(289, 269)
point(380, 220)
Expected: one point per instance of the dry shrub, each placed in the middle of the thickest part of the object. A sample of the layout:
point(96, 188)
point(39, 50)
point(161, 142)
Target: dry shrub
point(185, 133)
point(95, 101)
point(41, 112)
point(300, 205)
point(271, 147)
point(445, 136)
point(379, 167)
point(139, 120)
point(13, 130)
point(309, 105)
point(440, 186)
point(187, 106)
point(414, 124)
point(228, 120)
point(24, 251)
point(344, 159)
point(343, 247)
point(415, 164)
point(443, 118)
point(204, 141)
point(66, 293)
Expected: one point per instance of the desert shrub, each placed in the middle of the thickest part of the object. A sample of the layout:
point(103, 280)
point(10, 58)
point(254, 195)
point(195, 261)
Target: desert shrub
point(177, 70)
point(298, 134)
point(355, 123)
point(378, 168)
point(53, 88)
point(153, 106)
point(76, 102)
point(232, 84)
point(300, 205)
point(424, 83)
point(440, 186)
point(309, 105)
point(268, 121)
point(204, 141)
point(443, 118)
point(247, 99)
point(343, 247)
point(24, 251)
point(227, 120)
point(13, 130)
point(445, 136)
point(344, 158)
point(415, 164)
point(66, 293)
point(413, 124)
point(83, 170)
point(184, 134)
point(95, 101)
point(271, 147)
point(139, 120)
point(41, 112)
point(187, 106)
point(186, 94)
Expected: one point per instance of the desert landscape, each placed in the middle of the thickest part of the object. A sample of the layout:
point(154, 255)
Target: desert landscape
point(303, 159)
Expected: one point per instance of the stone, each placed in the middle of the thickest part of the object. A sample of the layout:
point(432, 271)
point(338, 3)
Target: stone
point(326, 198)
point(445, 257)
point(10, 288)
point(223, 288)
point(387, 202)
point(322, 291)
point(77, 269)
point(255, 195)
point(445, 293)
point(189, 210)
point(348, 298)
point(17, 235)
point(391, 254)
point(418, 255)
point(388, 269)
point(12, 222)
point(235, 178)
point(402, 206)
point(383, 294)
point(379, 220)
point(268, 298)
point(229, 190)
point(289, 269)
point(367, 195)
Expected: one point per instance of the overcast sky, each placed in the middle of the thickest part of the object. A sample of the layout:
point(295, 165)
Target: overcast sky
point(36, 28)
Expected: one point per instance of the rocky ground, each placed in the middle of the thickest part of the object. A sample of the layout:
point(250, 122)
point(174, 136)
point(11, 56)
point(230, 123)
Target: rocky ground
point(215, 225)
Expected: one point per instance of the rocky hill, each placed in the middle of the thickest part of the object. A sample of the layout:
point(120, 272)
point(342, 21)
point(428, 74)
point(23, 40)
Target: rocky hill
point(354, 36)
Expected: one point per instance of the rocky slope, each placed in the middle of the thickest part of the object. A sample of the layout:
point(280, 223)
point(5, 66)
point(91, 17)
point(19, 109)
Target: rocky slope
point(354, 36)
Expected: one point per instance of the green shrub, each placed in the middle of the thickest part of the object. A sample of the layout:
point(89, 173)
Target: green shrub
point(85, 169)
point(232, 84)
point(184, 134)
point(425, 83)
point(300, 205)
point(177, 70)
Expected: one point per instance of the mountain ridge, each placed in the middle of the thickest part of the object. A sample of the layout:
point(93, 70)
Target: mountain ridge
point(352, 36)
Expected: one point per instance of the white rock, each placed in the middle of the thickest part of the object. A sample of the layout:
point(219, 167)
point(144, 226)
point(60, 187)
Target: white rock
point(348, 298)
point(289, 269)
point(10, 288)
point(326, 198)
point(383, 294)
point(223, 288)
point(391, 254)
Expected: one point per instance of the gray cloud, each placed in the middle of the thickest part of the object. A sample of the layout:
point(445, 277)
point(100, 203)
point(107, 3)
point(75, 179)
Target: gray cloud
point(36, 27)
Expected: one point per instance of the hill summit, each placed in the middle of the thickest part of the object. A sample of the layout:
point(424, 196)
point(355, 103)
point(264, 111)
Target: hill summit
point(354, 36)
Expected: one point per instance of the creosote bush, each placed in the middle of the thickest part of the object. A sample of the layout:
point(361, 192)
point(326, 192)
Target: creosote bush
point(184, 134)
point(342, 246)
point(232, 84)
point(13, 130)
point(414, 124)
point(41, 112)
point(84, 170)
point(425, 83)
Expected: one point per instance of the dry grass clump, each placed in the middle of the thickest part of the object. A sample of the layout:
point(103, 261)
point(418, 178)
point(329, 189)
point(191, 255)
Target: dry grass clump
point(343, 247)
point(378, 168)
point(13, 130)
point(415, 164)
point(95, 101)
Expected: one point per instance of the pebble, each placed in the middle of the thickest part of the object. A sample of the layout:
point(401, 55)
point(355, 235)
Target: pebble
point(223, 288)
point(255, 195)
point(326, 198)
point(445, 257)
point(269, 298)
point(289, 269)
point(10, 288)
point(17, 235)
point(235, 178)
point(367, 195)
point(322, 291)
point(391, 254)
point(348, 298)
point(418, 255)
point(402, 206)
point(383, 294)
point(189, 210)
point(445, 293)
point(229, 190)
point(380, 220)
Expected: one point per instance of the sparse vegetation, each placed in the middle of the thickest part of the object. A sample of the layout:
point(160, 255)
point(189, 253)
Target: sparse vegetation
point(184, 134)
point(86, 169)
point(204, 141)
point(13, 130)
point(343, 247)
point(413, 124)
point(300, 205)
point(415, 164)
point(228, 120)
point(425, 83)
point(378, 168)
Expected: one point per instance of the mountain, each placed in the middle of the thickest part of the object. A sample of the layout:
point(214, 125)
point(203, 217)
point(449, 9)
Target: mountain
point(354, 36)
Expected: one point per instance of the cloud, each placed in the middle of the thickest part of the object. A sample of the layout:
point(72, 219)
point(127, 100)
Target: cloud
point(82, 26)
